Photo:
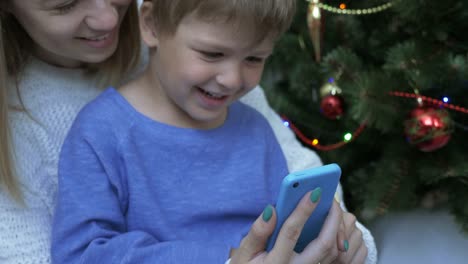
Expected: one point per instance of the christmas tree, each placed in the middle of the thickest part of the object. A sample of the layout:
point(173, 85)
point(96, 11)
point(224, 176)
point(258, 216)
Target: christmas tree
point(381, 88)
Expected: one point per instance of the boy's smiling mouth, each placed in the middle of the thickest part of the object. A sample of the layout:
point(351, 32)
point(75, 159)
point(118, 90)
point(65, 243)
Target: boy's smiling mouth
point(211, 94)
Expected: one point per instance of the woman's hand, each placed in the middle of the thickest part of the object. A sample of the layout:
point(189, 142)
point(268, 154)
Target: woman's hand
point(252, 247)
point(328, 247)
point(356, 251)
point(322, 250)
point(325, 249)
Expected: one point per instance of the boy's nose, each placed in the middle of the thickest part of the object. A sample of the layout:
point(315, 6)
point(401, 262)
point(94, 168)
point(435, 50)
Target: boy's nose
point(103, 16)
point(231, 77)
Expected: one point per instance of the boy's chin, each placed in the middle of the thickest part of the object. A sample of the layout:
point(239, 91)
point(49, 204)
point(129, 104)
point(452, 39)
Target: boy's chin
point(208, 121)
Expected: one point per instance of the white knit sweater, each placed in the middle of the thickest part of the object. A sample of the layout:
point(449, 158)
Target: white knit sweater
point(53, 97)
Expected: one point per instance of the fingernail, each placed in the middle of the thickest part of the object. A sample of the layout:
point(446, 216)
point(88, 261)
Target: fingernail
point(346, 245)
point(267, 213)
point(337, 198)
point(315, 195)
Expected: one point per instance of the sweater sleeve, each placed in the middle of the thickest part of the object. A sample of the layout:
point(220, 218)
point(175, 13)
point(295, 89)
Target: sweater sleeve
point(89, 223)
point(298, 156)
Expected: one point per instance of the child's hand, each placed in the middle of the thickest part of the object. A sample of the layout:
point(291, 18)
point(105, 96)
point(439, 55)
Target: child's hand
point(321, 250)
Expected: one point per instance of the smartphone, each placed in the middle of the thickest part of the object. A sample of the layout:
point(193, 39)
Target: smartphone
point(293, 187)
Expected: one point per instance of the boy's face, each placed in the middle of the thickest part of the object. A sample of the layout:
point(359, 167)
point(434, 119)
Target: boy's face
point(205, 66)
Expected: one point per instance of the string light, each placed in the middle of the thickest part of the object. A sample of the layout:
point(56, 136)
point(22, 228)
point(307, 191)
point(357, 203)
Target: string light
point(342, 8)
point(349, 137)
point(422, 98)
point(315, 142)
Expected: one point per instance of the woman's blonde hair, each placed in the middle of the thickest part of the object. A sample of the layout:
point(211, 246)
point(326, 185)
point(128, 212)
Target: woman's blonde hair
point(15, 49)
point(7, 181)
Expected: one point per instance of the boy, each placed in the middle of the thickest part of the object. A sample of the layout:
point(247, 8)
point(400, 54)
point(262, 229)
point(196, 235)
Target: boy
point(172, 168)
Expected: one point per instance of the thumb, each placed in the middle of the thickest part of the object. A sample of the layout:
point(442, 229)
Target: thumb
point(255, 241)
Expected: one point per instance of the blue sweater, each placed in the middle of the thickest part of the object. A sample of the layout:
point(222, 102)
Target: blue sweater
point(133, 190)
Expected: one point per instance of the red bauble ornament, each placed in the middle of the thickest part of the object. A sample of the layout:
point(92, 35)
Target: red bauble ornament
point(332, 106)
point(428, 128)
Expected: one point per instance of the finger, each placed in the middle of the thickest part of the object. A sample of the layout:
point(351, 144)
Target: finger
point(332, 222)
point(323, 248)
point(349, 222)
point(328, 260)
point(342, 236)
point(289, 233)
point(342, 241)
point(256, 239)
point(349, 225)
point(331, 256)
point(337, 198)
point(360, 256)
point(355, 243)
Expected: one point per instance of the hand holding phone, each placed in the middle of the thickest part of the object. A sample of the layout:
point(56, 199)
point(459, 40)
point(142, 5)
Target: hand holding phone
point(293, 187)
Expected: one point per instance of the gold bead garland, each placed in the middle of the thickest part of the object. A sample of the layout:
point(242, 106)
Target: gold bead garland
point(366, 11)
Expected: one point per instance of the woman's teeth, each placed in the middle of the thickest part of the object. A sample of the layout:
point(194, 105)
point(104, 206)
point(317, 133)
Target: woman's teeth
point(98, 38)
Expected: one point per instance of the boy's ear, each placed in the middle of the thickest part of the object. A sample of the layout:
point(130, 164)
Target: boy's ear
point(148, 25)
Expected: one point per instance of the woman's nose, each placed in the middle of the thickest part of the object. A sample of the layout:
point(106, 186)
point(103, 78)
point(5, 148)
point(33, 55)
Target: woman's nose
point(103, 16)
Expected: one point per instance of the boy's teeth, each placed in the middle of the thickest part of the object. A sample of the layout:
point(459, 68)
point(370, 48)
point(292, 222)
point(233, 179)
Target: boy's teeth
point(210, 94)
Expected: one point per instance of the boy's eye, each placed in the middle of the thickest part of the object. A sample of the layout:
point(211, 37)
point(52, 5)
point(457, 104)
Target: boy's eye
point(212, 55)
point(66, 7)
point(255, 59)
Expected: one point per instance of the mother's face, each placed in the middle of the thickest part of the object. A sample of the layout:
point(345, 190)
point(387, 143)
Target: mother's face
point(69, 33)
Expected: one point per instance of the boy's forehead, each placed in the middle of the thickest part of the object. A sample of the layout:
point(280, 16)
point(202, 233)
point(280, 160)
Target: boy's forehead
point(264, 46)
point(236, 28)
point(216, 28)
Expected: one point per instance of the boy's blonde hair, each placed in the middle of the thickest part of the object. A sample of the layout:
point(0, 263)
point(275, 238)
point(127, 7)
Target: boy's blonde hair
point(267, 16)
point(15, 49)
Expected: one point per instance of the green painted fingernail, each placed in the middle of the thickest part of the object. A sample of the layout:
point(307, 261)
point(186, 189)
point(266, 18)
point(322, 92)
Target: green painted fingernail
point(346, 245)
point(315, 195)
point(267, 213)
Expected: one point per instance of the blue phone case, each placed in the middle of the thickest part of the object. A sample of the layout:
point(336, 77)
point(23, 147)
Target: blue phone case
point(294, 186)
